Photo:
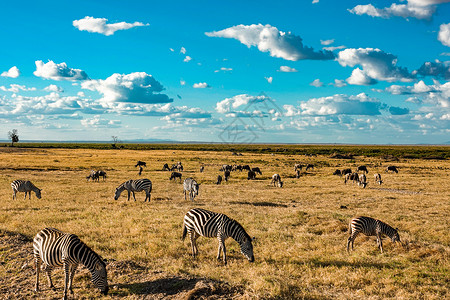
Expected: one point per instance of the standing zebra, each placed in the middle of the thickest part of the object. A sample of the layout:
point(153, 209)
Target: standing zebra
point(191, 186)
point(200, 222)
point(371, 227)
point(25, 186)
point(132, 186)
point(55, 248)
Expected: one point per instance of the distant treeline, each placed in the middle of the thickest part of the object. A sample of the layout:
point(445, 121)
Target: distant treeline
point(337, 151)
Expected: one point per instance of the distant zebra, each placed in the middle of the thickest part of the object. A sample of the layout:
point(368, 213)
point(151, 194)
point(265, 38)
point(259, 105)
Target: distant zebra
point(25, 186)
point(391, 168)
point(251, 175)
point(363, 169)
point(337, 172)
point(132, 186)
point(298, 167)
point(246, 167)
point(140, 163)
point(191, 186)
point(179, 166)
point(362, 180)
point(200, 222)
point(370, 227)
point(378, 178)
point(102, 174)
point(276, 180)
point(297, 174)
point(226, 175)
point(202, 168)
point(54, 248)
point(219, 179)
point(166, 167)
point(93, 175)
point(309, 166)
point(175, 175)
point(346, 171)
point(237, 168)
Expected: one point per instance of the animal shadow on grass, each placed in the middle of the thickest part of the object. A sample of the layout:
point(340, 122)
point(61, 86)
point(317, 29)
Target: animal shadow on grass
point(173, 285)
point(260, 203)
point(343, 263)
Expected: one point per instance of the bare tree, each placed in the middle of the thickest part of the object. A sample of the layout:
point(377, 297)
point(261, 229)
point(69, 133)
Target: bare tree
point(13, 136)
point(115, 141)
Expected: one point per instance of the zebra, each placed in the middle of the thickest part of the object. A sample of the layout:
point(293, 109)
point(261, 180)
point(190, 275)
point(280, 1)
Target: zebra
point(246, 167)
point(166, 167)
point(202, 168)
point(378, 178)
point(140, 163)
point(93, 175)
point(175, 175)
point(276, 180)
point(54, 248)
point(363, 169)
point(201, 222)
point(257, 170)
point(191, 186)
point(132, 186)
point(309, 166)
point(226, 175)
point(298, 167)
point(391, 168)
point(337, 172)
point(251, 175)
point(297, 174)
point(25, 186)
point(362, 180)
point(219, 180)
point(346, 171)
point(371, 227)
point(102, 174)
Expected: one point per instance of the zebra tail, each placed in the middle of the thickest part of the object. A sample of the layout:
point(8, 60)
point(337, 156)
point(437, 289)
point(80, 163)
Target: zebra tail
point(184, 232)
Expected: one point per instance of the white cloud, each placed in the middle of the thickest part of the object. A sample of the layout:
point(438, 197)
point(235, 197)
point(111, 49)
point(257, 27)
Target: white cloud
point(269, 79)
point(224, 69)
point(332, 48)
point(187, 58)
point(60, 71)
point(315, 1)
point(231, 104)
point(81, 94)
point(15, 88)
point(201, 85)
point(182, 82)
point(11, 73)
point(138, 87)
point(327, 42)
point(338, 83)
point(376, 65)
point(287, 69)
point(98, 25)
point(53, 88)
point(269, 39)
point(437, 69)
point(183, 50)
point(444, 34)
point(414, 9)
point(98, 122)
point(316, 83)
point(171, 50)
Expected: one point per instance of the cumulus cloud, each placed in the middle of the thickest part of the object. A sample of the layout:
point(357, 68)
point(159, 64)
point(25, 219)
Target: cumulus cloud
point(269, 39)
point(187, 58)
point(333, 48)
point(437, 69)
point(231, 104)
point(338, 83)
point(138, 87)
point(223, 69)
point(376, 65)
point(316, 83)
point(327, 42)
point(444, 34)
point(15, 88)
point(11, 73)
point(54, 88)
point(98, 122)
point(98, 25)
point(201, 85)
point(269, 79)
point(182, 82)
point(287, 69)
point(413, 9)
point(60, 71)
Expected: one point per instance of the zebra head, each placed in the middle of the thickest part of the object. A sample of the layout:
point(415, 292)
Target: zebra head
point(280, 184)
point(99, 277)
point(247, 249)
point(196, 187)
point(396, 236)
point(38, 193)
point(117, 193)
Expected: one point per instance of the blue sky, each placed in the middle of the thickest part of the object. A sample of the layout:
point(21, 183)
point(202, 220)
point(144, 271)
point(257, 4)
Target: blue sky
point(322, 71)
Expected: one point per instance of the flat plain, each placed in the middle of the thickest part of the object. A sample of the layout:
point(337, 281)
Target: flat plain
point(300, 230)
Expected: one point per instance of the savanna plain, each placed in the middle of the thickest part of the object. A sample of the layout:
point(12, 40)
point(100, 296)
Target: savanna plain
point(300, 230)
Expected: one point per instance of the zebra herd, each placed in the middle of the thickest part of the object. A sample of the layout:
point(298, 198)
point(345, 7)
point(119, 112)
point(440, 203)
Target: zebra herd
point(53, 248)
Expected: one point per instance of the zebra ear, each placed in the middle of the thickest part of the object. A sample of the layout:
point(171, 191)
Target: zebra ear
point(254, 238)
point(396, 228)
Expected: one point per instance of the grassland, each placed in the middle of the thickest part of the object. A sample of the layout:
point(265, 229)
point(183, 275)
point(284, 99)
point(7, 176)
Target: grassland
point(300, 230)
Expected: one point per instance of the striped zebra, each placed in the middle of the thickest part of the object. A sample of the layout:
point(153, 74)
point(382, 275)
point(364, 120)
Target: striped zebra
point(54, 248)
point(371, 227)
point(200, 222)
point(132, 186)
point(191, 186)
point(25, 186)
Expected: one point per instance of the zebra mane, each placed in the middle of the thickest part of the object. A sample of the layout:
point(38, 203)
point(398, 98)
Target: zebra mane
point(92, 252)
point(390, 230)
point(246, 235)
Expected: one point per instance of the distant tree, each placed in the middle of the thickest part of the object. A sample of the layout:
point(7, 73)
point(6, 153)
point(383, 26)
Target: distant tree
point(115, 141)
point(13, 136)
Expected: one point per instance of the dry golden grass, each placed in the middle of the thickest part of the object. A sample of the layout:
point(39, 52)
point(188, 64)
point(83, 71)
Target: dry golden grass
point(300, 230)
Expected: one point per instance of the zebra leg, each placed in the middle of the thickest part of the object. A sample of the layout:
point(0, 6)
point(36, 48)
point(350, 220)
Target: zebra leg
point(351, 239)
point(380, 243)
point(134, 197)
point(66, 278)
point(14, 195)
point(72, 274)
point(184, 194)
point(193, 237)
point(37, 265)
point(128, 196)
point(48, 270)
point(25, 198)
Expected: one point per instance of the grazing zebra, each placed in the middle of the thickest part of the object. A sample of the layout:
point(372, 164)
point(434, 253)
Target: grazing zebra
point(370, 227)
point(25, 186)
point(309, 166)
point(346, 171)
point(298, 167)
point(378, 178)
point(251, 175)
point(140, 163)
point(257, 170)
point(219, 179)
point(202, 168)
point(391, 168)
point(200, 222)
point(191, 186)
point(362, 180)
point(226, 168)
point(175, 175)
point(236, 168)
point(363, 169)
point(276, 180)
point(246, 167)
point(132, 186)
point(166, 167)
point(93, 175)
point(102, 174)
point(337, 172)
point(54, 248)
point(226, 174)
